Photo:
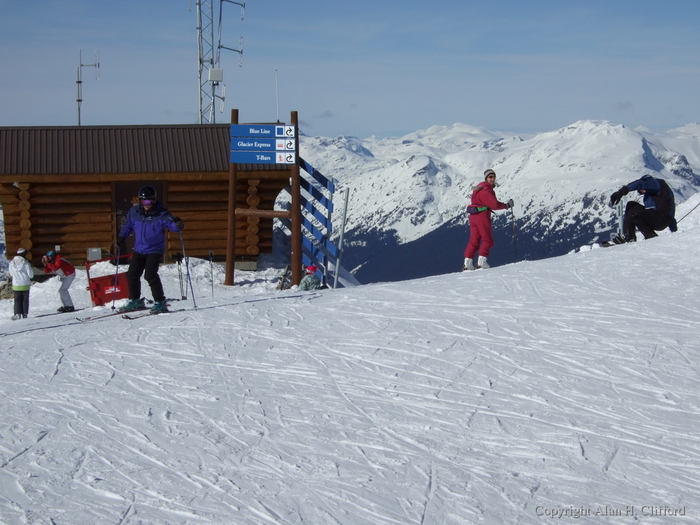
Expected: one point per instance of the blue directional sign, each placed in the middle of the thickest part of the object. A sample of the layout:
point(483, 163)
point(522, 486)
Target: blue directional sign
point(263, 131)
point(256, 157)
point(263, 144)
point(249, 144)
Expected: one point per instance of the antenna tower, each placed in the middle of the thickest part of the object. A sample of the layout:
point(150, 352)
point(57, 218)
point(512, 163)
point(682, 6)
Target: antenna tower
point(79, 76)
point(211, 75)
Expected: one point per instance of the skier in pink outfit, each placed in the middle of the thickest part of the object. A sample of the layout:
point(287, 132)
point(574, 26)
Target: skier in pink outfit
point(481, 239)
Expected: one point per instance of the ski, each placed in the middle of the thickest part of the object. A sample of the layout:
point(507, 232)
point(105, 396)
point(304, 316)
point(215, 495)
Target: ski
point(146, 314)
point(57, 313)
point(285, 281)
point(104, 316)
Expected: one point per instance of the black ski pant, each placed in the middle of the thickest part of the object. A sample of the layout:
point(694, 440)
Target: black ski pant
point(146, 265)
point(644, 219)
point(21, 302)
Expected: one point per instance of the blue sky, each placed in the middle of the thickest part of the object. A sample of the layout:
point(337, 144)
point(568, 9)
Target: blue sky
point(359, 67)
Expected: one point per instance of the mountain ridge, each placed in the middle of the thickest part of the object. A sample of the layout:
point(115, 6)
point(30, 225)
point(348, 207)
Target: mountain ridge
point(408, 188)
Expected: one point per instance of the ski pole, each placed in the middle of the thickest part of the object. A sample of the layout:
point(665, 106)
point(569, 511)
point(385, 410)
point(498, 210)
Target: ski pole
point(515, 244)
point(691, 211)
point(178, 258)
point(211, 267)
point(116, 277)
point(187, 266)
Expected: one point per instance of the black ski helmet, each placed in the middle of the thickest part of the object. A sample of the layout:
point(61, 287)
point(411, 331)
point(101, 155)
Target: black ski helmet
point(148, 192)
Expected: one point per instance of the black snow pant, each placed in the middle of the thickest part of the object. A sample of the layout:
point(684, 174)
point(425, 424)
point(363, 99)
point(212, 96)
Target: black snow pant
point(146, 265)
point(21, 302)
point(644, 219)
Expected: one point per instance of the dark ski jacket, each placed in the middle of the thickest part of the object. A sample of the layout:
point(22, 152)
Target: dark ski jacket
point(658, 195)
point(149, 228)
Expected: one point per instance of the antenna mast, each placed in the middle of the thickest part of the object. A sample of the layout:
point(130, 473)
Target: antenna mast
point(210, 73)
point(79, 76)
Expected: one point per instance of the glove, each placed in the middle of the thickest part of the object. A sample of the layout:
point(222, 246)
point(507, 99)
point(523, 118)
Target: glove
point(178, 222)
point(510, 203)
point(617, 196)
point(121, 241)
point(44, 260)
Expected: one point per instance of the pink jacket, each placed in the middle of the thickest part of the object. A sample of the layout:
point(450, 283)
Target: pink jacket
point(483, 195)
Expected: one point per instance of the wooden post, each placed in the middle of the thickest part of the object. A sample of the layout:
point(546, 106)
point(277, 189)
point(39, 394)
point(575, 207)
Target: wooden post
point(296, 209)
point(231, 244)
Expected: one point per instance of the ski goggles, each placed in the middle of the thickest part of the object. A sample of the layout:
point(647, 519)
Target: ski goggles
point(147, 202)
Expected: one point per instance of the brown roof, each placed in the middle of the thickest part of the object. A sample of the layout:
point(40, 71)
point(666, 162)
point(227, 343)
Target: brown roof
point(114, 149)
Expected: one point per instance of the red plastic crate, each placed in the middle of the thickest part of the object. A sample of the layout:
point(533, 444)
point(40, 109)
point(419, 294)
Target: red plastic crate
point(102, 289)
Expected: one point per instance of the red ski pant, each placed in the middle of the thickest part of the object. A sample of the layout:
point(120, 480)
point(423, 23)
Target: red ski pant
point(480, 236)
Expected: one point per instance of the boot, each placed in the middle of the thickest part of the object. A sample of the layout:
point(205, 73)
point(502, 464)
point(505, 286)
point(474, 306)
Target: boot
point(16, 316)
point(468, 265)
point(482, 262)
point(159, 307)
point(133, 304)
point(64, 309)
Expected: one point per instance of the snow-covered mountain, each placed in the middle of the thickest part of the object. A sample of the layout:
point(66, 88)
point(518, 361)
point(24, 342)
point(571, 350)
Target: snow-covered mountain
point(408, 195)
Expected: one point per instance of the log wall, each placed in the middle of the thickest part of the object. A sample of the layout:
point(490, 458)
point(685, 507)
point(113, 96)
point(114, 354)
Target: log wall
point(77, 213)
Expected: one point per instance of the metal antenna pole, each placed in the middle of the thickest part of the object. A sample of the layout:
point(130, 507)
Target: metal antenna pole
point(210, 72)
point(205, 50)
point(79, 76)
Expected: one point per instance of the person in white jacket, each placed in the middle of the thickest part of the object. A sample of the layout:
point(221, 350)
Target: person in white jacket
point(22, 273)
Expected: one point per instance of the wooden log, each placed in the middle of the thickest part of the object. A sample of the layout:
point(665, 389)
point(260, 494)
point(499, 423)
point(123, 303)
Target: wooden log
point(25, 224)
point(8, 189)
point(218, 196)
point(253, 201)
point(87, 207)
point(263, 193)
point(61, 189)
point(243, 234)
point(190, 188)
point(12, 219)
point(198, 226)
point(25, 214)
point(12, 209)
point(24, 205)
point(90, 238)
point(26, 244)
point(203, 244)
point(197, 206)
point(53, 228)
point(212, 244)
point(270, 214)
point(71, 199)
point(26, 234)
point(204, 216)
point(24, 195)
point(72, 218)
point(201, 234)
point(23, 185)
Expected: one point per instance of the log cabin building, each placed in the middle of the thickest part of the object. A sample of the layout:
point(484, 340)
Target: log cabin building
point(72, 187)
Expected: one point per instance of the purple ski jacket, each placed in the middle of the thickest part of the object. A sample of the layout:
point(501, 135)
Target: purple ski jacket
point(149, 228)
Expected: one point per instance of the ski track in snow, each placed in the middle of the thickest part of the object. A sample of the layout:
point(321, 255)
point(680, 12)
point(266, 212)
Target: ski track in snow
point(478, 397)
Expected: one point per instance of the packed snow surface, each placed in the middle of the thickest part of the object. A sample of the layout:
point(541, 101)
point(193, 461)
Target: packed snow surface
point(563, 390)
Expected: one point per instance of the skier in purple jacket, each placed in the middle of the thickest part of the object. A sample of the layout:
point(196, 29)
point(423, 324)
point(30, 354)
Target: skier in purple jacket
point(148, 221)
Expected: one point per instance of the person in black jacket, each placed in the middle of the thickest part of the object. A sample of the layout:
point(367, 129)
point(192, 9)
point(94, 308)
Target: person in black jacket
point(657, 213)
